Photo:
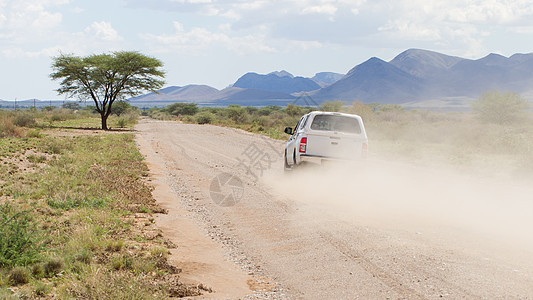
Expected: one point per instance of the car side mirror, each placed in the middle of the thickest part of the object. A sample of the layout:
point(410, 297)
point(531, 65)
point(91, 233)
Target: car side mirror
point(288, 130)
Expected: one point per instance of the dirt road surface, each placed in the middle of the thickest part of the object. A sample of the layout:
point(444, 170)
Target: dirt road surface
point(374, 230)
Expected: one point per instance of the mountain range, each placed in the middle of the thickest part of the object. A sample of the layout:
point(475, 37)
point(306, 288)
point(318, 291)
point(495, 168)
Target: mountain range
point(413, 76)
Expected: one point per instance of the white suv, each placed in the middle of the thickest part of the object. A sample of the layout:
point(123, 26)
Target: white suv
point(321, 136)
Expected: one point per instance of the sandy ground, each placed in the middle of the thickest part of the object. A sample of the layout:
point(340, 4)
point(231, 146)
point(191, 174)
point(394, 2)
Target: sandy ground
point(372, 230)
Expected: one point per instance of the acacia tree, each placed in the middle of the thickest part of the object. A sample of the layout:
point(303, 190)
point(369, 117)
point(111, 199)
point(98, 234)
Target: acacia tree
point(105, 78)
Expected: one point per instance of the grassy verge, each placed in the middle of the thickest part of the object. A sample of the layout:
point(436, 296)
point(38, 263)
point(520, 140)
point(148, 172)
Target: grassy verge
point(76, 219)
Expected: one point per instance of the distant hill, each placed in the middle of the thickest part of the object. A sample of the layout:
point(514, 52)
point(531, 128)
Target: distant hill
point(206, 95)
point(188, 93)
point(326, 78)
point(251, 97)
point(372, 81)
point(280, 82)
point(423, 63)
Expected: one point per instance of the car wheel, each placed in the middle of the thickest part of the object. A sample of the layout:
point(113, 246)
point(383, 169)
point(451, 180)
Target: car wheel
point(286, 166)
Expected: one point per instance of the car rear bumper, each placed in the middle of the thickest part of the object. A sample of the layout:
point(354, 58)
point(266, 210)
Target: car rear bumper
point(318, 159)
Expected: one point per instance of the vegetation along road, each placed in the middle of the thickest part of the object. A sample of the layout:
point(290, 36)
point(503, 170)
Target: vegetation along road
point(378, 229)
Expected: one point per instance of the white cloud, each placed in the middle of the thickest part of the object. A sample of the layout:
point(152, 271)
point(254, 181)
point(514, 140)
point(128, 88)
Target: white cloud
point(77, 10)
point(103, 31)
point(327, 9)
point(28, 21)
point(409, 30)
point(3, 20)
point(198, 40)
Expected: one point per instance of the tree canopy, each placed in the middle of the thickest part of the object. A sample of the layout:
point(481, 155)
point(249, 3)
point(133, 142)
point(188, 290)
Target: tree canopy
point(105, 78)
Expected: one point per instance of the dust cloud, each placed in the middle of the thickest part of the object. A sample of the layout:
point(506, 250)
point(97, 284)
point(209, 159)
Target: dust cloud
point(492, 213)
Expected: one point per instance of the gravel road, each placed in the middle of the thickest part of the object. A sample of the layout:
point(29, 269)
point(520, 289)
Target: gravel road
point(374, 230)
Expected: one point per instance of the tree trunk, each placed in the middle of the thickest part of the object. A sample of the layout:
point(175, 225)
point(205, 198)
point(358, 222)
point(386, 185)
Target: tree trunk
point(104, 122)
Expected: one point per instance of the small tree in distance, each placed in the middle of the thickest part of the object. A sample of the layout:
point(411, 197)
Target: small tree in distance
point(105, 78)
point(500, 108)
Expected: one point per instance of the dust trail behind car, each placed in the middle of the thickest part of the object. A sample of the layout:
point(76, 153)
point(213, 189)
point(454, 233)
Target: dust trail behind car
point(488, 214)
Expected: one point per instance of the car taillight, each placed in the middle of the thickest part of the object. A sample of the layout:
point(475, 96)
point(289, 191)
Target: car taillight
point(303, 145)
point(365, 150)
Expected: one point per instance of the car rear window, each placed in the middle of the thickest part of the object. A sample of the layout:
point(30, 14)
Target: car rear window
point(336, 123)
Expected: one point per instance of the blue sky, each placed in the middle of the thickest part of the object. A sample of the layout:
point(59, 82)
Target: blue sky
point(214, 42)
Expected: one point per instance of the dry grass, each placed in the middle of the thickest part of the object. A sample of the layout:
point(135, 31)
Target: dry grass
point(84, 192)
point(8, 127)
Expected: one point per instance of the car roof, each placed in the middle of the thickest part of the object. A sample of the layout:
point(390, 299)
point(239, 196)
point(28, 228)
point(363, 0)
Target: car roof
point(316, 112)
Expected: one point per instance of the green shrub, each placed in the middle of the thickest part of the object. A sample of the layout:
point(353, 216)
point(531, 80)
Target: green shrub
point(19, 239)
point(267, 110)
point(237, 114)
point(122, 107)
point(204, 117)
point(182, 109)
point(24, 120)
point(294, 110)
point(56, 118)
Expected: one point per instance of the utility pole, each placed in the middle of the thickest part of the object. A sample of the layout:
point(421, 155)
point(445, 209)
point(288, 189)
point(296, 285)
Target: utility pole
point(15, 103)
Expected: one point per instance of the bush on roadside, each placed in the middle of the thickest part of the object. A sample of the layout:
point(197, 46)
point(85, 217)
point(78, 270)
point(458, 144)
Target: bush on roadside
point(500, 108)
point(237, 114)
point(204, 117)
point(294, 110)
